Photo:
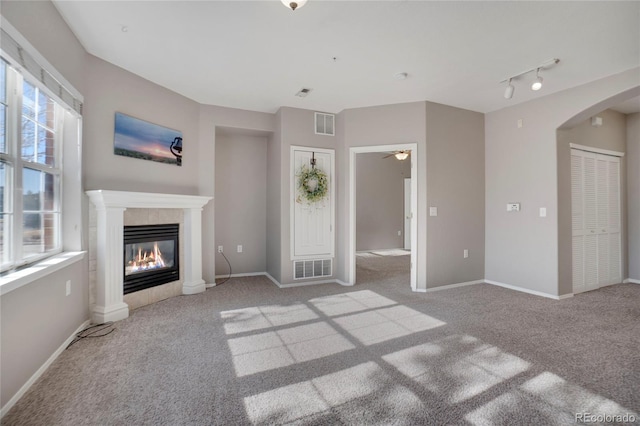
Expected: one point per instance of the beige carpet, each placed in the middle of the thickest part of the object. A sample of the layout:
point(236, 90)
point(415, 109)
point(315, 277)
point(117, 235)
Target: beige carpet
point(247, 352)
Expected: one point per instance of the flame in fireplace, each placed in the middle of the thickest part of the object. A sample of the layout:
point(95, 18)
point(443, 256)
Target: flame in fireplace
point(147, 260)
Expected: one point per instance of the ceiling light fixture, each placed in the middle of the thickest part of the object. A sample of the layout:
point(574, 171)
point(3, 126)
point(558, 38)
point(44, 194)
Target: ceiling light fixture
point(402, 155)
point(293, 5)
point(537, 83)
point(401, 76)
point(508, 92)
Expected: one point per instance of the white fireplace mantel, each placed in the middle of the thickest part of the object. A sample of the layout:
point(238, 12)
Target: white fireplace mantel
point(110, 207)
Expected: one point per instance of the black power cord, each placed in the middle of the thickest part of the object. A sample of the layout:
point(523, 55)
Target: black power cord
point(228, 263)
point(91, 332)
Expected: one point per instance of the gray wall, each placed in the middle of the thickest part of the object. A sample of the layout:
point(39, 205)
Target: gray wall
point(110, 89)
point(36, 320)
point(521, 166)
point(380, 201)
point(211, 118)
point(296, 129)
point(383, 125)
point(241, 201)
point(48, 35)
point(455, 185)
point(633, 193)
point(612, 135)
point(450, 176)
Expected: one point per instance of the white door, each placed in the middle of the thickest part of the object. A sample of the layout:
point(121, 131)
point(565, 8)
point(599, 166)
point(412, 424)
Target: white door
point(407, 213)
point(595, 204)
point(312, 228)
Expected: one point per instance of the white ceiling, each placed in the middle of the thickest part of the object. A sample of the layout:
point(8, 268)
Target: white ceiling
point(629, 107)
point(257, 54)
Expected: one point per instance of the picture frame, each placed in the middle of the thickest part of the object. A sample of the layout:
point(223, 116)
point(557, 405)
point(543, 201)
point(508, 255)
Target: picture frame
point(141, 139)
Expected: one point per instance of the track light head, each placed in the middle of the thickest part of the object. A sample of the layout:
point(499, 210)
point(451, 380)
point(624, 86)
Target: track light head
point(508, 92)
point(537, 83)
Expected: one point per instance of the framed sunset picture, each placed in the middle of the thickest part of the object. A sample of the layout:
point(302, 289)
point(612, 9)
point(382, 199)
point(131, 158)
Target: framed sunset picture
point(140, 139)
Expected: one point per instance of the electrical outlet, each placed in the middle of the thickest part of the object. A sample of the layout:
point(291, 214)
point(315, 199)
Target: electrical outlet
point(399, 233)
point(239, 248)
point(465, 253)
point(68, 287)
point(220, 250)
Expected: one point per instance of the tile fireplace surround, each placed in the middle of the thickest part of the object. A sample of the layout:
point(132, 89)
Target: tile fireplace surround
point(110, 206)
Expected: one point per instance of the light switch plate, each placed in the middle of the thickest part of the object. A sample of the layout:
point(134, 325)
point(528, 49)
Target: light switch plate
point(543, 212)
point(433, 211)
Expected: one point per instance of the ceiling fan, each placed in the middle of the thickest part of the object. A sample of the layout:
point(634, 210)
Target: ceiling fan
point(400, 155)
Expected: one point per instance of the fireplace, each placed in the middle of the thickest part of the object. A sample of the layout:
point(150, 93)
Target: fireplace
point(151, 256)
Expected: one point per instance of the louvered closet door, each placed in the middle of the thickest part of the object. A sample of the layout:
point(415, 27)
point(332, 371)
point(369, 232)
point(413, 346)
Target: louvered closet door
point(578, 220)
point(595, 201)
point(602, 229)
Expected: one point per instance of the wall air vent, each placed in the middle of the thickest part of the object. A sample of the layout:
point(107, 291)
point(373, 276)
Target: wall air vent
point(311, 268)
point(325, 124)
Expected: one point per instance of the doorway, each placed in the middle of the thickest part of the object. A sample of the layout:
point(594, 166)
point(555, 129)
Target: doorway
point(413, 148)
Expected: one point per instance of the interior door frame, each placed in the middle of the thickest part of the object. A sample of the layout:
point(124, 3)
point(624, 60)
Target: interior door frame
point(404, 220)
point(413, 147)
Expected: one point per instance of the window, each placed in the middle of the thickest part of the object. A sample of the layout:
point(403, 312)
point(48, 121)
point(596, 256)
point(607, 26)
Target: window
point(30, 170)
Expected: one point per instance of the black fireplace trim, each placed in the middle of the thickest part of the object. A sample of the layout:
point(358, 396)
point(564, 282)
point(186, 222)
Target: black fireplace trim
point(150, 233)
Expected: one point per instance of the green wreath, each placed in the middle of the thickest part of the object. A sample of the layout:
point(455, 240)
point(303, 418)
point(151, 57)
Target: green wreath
point(313, 184)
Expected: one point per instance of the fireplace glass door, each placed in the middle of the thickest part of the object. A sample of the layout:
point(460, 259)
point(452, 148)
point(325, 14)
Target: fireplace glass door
point(150, 256)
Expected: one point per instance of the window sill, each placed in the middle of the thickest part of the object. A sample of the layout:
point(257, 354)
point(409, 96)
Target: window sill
point(39, 270)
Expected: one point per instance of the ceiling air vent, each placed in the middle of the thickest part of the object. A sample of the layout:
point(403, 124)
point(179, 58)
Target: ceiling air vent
point(311, 268)
point(303, 92)
point(325, 124)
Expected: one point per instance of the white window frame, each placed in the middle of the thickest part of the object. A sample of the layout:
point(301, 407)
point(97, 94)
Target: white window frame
point(13, 158)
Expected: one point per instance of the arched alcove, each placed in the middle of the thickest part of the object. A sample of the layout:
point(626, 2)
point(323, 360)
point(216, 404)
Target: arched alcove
point(564, 137)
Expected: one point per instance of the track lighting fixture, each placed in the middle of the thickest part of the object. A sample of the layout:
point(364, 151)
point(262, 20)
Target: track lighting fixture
point(537, 83)
point(508, 92)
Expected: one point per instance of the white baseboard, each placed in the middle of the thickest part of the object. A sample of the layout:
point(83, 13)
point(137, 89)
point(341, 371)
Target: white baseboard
point(41, 370)
point(526, 290)
point(449, 286)
point(332, 281)
point(245, 274)
point(565, 296)
point(346, 284)
point(268, 275)
point(631, 281)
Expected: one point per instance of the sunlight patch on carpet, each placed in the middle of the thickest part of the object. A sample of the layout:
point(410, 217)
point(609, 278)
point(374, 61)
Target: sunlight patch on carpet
point(347, 303)
point(258, 318)
point(338, 392)
point(556, 391)
point(458, 367)
point(387, 323)
point(281, 348)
